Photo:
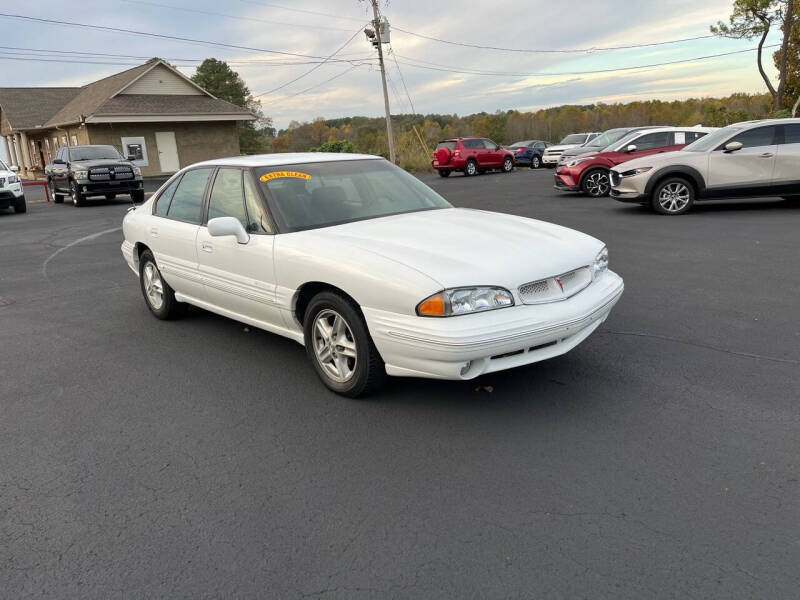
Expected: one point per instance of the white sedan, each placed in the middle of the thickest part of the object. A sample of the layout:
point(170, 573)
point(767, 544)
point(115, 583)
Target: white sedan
point(366, 266)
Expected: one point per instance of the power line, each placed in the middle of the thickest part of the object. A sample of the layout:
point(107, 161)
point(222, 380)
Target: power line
point(154, 35)
point(454, 69)
point(312, 69)
point(345, 72)
point(550, 51)
point(238, 18)
point(403, 79)
point(300, 10)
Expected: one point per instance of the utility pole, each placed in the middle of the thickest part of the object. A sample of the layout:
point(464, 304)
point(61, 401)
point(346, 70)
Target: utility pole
point(377, 24)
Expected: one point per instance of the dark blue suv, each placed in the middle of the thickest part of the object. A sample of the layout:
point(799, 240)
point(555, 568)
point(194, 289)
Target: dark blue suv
point(529, 152)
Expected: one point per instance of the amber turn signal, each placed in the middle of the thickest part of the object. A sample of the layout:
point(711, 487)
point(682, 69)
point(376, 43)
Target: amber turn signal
point(433, 306)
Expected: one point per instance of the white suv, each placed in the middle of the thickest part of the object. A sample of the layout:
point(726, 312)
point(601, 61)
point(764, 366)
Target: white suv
point(573, 140)
point(750, 159)
point(11, 193)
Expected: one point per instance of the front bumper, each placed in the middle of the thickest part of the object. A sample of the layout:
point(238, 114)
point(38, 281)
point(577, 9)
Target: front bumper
point(550, 159)
point(100, 188)
point(566, 180)
point(471, 345)
point(11, 192)
point(628, 189)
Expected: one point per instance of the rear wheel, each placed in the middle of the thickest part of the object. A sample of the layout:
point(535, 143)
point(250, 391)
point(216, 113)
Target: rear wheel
point(339, 346)
point(673, 196)
point(444, 173)
point(536, 162)
point(596, 184)
point(75, 193)
point(471, 168)
point(19, 205)
point(508, 164)
point(158, 295)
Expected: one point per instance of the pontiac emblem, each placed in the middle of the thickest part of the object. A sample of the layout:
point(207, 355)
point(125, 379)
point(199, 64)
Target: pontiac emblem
point(560, 284)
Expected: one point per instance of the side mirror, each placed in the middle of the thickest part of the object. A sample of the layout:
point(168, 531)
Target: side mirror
point(631, 148)
point(14, 169)
point(59, 161)
point(222, 226)
point(733, 146)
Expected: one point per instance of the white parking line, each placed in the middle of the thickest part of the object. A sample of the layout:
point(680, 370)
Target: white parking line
point(75, 243)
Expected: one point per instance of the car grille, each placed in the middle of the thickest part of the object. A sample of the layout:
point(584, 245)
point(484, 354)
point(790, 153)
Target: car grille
point(614, 178)
point(553, 152)
point(555, 288)
point(110, 173)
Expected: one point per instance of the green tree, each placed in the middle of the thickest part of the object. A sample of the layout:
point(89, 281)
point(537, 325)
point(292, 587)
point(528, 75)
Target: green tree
point(791, 96)
point(226, 84)
point(755, 18)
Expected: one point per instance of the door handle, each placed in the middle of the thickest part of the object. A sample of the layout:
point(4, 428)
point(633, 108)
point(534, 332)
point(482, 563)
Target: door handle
point(767, 155)
point(154, 232)
point(206, 246)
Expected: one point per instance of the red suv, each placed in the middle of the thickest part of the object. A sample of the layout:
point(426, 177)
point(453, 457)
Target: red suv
point(588, 173)
point(471, 155)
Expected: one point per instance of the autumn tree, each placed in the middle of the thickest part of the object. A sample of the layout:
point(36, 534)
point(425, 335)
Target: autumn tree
point(755, 19)
point(226, 84)
point(792, 93)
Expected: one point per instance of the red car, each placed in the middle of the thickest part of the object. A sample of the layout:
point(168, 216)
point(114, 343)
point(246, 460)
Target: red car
point(588, 173)
point(471, 155)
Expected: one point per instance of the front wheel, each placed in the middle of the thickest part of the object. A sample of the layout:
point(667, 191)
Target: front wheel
point(444, 173)
point(158, 295)
point(673, 196)
point(536, 162)
point(339, 346)
point(75, 193)
point(19, 205)
point(54, 198)
point(471, 168)
point(596, 183)
point(508, 164)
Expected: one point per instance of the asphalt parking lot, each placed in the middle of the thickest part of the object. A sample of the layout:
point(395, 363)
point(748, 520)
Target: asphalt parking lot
point(197, 458)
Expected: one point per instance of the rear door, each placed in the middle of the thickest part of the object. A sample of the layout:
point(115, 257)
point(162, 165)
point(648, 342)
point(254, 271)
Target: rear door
point(475, 149)
point(786, 178)
point(746, 171)
point(239, 278)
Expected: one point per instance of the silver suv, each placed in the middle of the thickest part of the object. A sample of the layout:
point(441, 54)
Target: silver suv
point(750, 159)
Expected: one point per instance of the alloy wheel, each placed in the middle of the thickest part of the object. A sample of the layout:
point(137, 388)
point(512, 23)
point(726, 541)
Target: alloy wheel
point(471, 168)
point(74, 194)
point(508, 164)
point(335, 346)
point(52, 191)
point(597, 184)
point(674, 197)
point(153, 286)
point(535, 162)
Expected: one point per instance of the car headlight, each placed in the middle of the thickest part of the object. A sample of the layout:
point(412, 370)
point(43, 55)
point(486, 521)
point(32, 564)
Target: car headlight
point(81, 174)
point(137, 171)
point(13, 179)
point(600, 262)
point(576, 161)
point(633, 172)
point(465, 300)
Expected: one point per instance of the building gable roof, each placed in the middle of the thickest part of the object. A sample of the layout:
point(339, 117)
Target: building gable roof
point(22, 111)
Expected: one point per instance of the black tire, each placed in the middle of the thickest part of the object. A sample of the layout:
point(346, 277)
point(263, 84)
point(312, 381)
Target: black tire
point(75, 193)
point(673, 196)
point(368, 369)
point(444, 173)
point(536, 162)
point(20, 206)
point(595, 183)
point(110, 196)
point(54, 197)
point(508, 164)
point(137, 196)
point(471, 168)
point(169, 308)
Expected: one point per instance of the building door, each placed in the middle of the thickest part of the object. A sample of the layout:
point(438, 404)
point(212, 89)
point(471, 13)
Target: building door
point(167, 151)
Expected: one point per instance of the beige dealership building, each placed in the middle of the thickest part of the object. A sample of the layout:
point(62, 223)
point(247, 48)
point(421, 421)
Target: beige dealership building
point(152, 111)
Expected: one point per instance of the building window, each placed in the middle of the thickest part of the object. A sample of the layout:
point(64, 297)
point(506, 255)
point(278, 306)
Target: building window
point(135, 146)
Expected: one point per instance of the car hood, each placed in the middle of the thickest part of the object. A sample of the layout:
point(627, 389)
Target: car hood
point(562, 147)
point(658, 160)
point(578, 150)
point(104, 162)
point(462, 247)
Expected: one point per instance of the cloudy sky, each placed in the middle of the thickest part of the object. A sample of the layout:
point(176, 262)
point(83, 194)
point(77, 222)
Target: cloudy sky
point(521, 80)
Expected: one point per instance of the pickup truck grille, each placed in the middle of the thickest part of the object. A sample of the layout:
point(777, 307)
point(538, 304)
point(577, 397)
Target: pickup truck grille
point(110, 173)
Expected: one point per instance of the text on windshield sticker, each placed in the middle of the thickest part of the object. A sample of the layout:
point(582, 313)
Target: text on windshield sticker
point(283, 174)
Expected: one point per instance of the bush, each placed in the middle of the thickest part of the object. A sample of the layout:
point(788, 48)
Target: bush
point(337, 146)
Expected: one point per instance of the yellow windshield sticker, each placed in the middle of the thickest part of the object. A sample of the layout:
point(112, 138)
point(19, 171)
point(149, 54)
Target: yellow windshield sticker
point(281, 174)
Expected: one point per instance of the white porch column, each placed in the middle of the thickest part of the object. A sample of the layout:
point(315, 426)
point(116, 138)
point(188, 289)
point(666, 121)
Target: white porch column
point(16, 150)
point(12, 156)
point(8, 150)
point(26, 151)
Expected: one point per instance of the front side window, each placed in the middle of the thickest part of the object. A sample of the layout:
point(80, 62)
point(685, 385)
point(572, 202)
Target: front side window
point(308, 196)
point(227, 196)
point(489, 144)
point(187, 201)
point(754, 138)
point(712, 139)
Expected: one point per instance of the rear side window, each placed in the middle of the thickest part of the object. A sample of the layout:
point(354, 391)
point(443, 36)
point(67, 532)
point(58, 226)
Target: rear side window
point(451, 145)
point(791, 134)
point(753, 138)
point(227, 197)
point(162, 202)
point(187, 201)
point(474, 144)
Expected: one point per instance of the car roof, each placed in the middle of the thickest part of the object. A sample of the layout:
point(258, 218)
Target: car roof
point(285, 158)
point(757, 122)
point(681, 128)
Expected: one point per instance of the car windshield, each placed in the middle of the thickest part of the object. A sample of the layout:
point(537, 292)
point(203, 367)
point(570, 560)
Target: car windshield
point(308, 196)
point(712, 140)
point(3, 166)
point(520, 145)
point(609, 137)
point(94, 153)
point(574, 138)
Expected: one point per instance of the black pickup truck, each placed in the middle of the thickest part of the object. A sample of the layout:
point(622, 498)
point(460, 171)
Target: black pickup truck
point(83, 171)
